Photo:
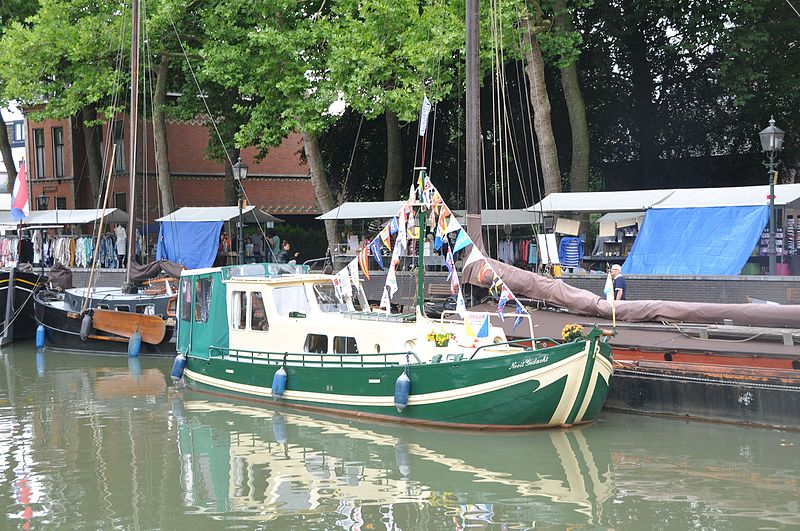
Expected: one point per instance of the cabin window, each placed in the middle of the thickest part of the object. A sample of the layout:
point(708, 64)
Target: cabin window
point(316, 344)
point(202, 299)
point(290, 299)
point(102, 306)
point(239, 310)
point(122, 308)
point(186, 299)
point(258, 315)
point(345, 345)
point(327, 299)
point(146, 309)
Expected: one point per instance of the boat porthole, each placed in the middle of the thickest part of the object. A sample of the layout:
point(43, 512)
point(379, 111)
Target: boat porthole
point(796, 364)
point(74, 304)
point(498, 339)
point(377, 348)
point(668, 357)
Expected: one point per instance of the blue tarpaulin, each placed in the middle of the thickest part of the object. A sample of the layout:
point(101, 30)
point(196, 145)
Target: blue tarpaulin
point(696, 241)
point(191, 243)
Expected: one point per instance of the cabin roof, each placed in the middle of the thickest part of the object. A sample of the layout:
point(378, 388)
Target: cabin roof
point(281, 279)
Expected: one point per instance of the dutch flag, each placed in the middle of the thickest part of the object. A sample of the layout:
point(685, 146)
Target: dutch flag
point(20, 206)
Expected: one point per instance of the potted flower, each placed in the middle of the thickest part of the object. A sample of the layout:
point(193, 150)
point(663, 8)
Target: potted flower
point(571, 332)
point(440, 337)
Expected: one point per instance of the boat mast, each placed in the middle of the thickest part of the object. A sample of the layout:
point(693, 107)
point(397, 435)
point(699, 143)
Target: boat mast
point(134, 122)
point(473, 125)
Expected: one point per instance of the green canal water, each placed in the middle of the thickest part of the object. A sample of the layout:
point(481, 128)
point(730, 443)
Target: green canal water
point(95, 442)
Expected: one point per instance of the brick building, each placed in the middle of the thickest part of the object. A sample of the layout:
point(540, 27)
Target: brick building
point(58, 170)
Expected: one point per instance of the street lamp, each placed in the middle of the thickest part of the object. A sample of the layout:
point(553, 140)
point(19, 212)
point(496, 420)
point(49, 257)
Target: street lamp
point(42, 202)
point(771, 143)
point(239, 175)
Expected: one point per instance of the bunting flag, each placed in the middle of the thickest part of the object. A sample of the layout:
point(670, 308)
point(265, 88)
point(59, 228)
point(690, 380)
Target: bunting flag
point(394, 227)
point(427, 191)
point(505, 296)
point(497, 284)
point(412, 195)
point(485, 268)
point(363, 260)
point(450, 263)
point(423, 115)
point(461, 307)
point(441, 229)
point(386, 236)
point(484, 330)
point(402, 237)
point(462, 240)
point(474, 255)
point(353, 268)
point(386, 302)
point(468, 330)
point(342, 285)
point(20, 205)
point(520, 310)
point(375, 248)
point(452, 225)
point(391, 277)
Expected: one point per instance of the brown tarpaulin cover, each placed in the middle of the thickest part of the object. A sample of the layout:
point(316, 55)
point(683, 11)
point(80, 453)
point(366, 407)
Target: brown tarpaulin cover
point(153, 269)
point(60, 277)
point(530, 285)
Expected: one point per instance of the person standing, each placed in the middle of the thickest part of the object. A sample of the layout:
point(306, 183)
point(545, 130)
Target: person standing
point(620, 284)
point(121, 244)
point(258, 247)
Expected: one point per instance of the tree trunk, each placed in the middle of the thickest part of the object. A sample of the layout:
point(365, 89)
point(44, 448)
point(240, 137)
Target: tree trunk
point(8, 156)
point(579, 172)
point(320, 184)
point(548, 155)
point(160, 134)
point(394, 158)
point(94, 159)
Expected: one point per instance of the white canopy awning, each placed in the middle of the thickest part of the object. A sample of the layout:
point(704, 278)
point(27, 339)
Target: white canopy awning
point(637, 200)
point(363, 210)
point(250, 214)
point(622, 219)
point(623, 201)
point(66, 217)
point(785, 194)
point(388, 209)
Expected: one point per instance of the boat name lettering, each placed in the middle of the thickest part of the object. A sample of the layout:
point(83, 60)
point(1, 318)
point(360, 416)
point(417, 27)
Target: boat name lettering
point(528, 362)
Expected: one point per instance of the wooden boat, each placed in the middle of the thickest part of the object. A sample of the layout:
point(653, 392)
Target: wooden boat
point(17, 310)
point(251, 331)
point(112, 320)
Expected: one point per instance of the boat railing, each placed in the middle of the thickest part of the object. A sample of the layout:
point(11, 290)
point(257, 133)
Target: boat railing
point(304, 359)
point(524, 316)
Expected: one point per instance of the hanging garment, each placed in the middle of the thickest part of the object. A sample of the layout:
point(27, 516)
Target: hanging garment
point(570, 251)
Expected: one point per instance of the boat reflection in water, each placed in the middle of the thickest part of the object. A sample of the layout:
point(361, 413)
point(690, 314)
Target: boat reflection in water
point(263, 464)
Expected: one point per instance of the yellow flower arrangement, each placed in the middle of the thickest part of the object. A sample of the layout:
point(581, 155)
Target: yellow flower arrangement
point(440, 337)
point(572, 332)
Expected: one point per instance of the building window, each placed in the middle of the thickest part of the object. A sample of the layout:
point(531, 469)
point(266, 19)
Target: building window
point(119, 200)
point(19, 132)
point(38, 146)
point(58, 152)
point(119, 141)
point(61, 203)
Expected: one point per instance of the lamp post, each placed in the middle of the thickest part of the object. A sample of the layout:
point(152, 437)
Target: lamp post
point(771, 144)
point(239, 175)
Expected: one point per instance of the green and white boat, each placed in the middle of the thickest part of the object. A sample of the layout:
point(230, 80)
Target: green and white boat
point(276, 333)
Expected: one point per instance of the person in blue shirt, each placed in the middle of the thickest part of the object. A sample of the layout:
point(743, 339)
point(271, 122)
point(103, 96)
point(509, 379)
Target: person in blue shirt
point(620, 284)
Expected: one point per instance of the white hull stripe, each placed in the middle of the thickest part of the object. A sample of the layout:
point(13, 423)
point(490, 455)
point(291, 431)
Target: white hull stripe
point(546, 376)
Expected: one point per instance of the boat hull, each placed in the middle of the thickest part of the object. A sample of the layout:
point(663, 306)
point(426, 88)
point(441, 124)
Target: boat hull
point(24, 324)
point(63, 332)
point(740, 395)
point(562, 386)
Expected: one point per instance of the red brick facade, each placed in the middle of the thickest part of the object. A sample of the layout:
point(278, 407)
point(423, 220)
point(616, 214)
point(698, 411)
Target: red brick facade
point(279, 183)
